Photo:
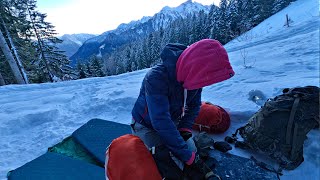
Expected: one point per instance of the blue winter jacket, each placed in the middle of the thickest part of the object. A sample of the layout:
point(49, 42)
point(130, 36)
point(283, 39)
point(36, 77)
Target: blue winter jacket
point(160, 103)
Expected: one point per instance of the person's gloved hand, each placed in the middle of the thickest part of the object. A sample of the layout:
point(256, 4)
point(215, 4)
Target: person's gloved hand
point(198, 170)
point(222, 146)
point(204, 144)
point(185, 135)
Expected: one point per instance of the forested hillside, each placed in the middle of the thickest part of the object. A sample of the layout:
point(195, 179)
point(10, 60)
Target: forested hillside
point(29, 52)
point(224, 23)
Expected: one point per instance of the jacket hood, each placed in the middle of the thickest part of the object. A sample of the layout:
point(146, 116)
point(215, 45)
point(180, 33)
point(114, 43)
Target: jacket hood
point(202, 64)
point(170, 55)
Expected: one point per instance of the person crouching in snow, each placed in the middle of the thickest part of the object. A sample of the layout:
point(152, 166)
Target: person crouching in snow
point(170, 98)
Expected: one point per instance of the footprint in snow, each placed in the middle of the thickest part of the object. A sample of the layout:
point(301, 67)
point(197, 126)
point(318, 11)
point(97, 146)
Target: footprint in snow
point(116, 93)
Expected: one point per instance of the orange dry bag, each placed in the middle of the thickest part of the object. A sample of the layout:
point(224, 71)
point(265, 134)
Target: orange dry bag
point(212, 119)
point(127, 158)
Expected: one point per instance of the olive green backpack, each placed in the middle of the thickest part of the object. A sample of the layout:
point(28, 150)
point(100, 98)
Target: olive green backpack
point(280, 127)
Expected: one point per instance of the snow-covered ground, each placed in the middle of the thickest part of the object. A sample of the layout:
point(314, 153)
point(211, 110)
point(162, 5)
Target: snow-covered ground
point(37, 116)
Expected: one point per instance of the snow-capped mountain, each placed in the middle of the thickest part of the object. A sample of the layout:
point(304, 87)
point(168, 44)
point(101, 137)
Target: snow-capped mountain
point(125, 33)
point(167, 14)
point(72, 42)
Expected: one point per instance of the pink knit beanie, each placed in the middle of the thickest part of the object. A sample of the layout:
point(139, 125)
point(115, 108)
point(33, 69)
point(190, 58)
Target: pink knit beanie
point(202, 64)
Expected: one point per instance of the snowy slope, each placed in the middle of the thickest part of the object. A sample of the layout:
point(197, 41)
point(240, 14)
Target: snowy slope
point(273, 28)
point(35, 117)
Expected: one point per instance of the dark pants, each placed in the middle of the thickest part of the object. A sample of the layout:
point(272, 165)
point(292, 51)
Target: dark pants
point(151, 139)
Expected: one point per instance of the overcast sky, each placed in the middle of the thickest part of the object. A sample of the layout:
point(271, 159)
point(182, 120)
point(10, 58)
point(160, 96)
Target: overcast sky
point(98, 16)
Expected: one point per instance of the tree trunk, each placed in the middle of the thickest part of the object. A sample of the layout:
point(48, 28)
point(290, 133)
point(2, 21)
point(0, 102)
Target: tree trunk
point(2, 83)
point(12, 62)
point(23, 72)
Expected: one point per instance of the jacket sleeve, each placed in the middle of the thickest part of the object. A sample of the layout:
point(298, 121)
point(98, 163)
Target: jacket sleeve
point(158, 106)
point(191, 111)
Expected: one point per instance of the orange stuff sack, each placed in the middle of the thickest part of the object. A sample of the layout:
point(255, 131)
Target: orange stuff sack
point(127, 158)
point(212, 119)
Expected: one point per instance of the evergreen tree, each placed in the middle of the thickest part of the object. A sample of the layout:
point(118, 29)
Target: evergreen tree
point(87, 69)
point(145, 61)
point(214, 22)
point(199, 31)
point(194, 30)
point(280, 4)
point(222, 23)
point(2, 82)
point(265, 9)
point(96, 67)
point(81, 71)
point(52, 61)
point(234, 12)
point(183, 35)
point(153, 48)
point(162, 37)
point(246, 15)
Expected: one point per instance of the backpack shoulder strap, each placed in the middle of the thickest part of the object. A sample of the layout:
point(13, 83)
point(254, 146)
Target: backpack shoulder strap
point(294, 141)
point(291, 118)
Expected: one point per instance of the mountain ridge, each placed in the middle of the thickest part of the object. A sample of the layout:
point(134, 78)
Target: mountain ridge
point(125, 33)
point(72, 42)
